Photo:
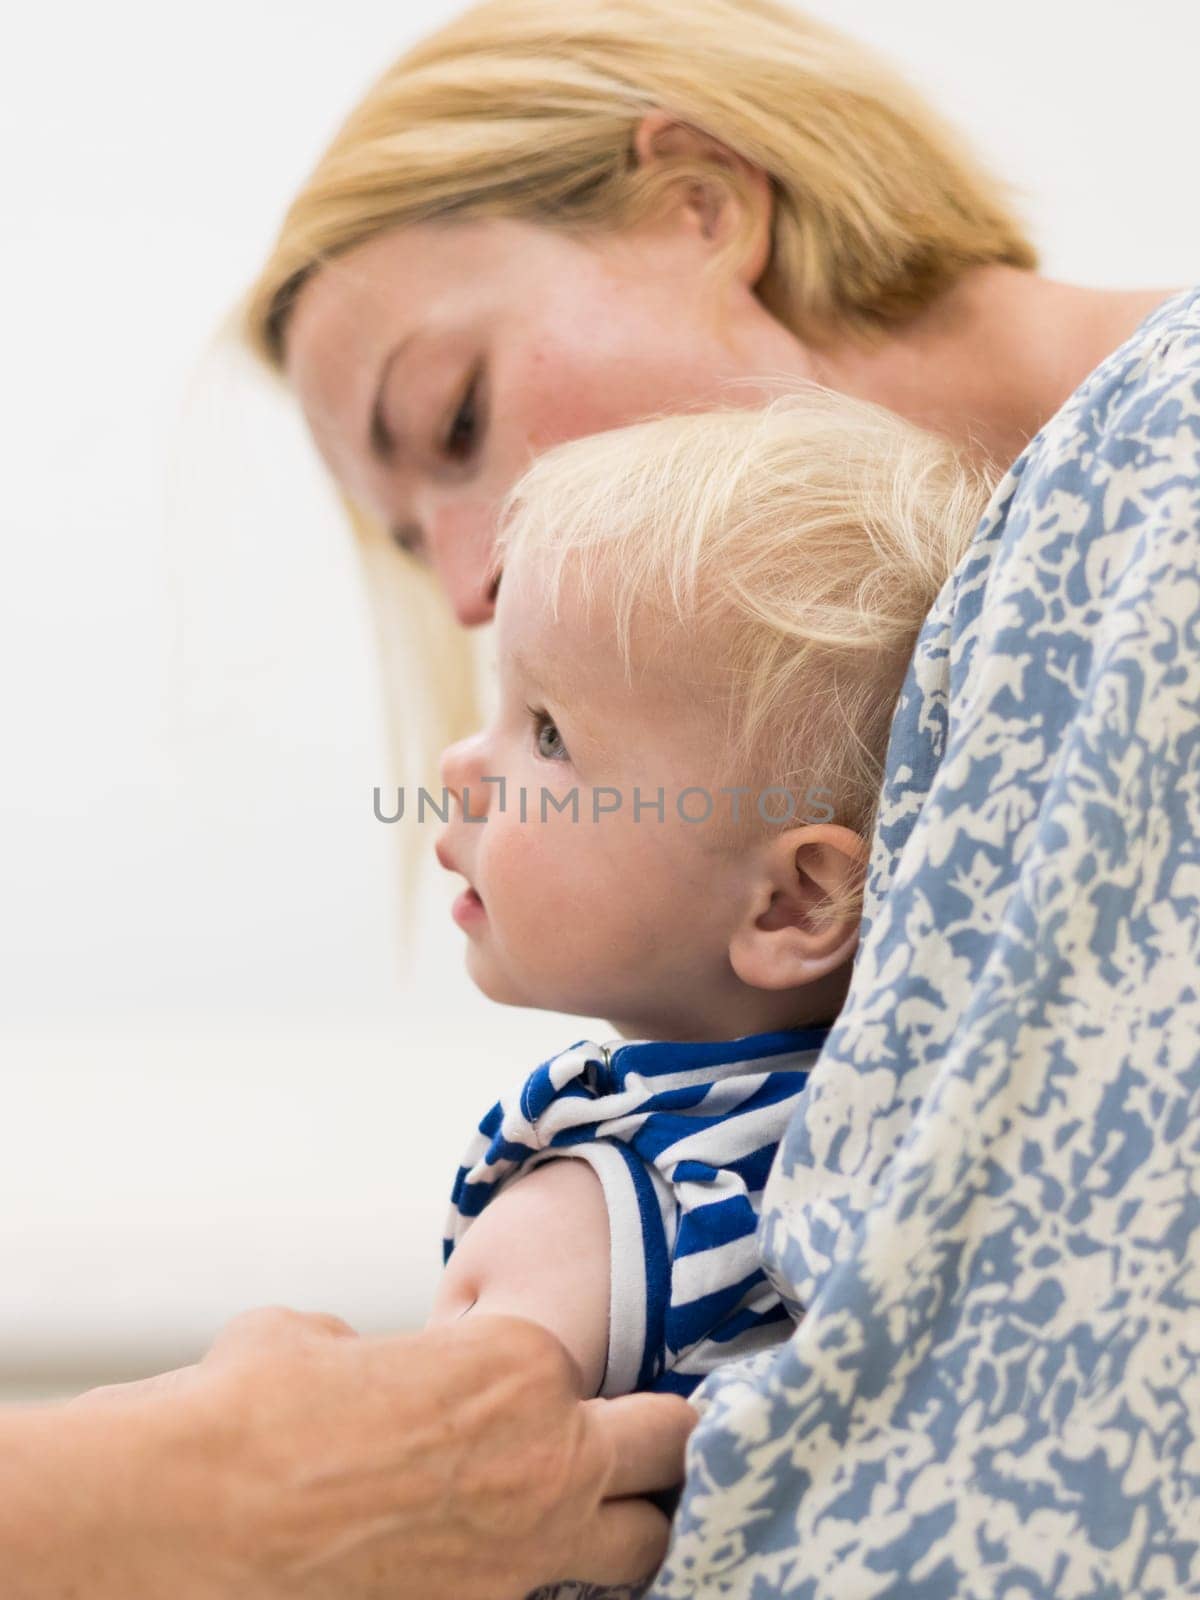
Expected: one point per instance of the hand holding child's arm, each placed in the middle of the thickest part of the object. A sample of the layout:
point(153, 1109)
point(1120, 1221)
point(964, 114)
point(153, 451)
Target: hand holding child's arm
point(540, 1251)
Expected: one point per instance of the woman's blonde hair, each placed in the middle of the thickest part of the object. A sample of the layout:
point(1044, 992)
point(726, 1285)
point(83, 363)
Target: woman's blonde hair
point(795, 550)
point(528, 109)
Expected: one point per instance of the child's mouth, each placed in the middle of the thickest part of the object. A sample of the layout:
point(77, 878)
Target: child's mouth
point(467, 909)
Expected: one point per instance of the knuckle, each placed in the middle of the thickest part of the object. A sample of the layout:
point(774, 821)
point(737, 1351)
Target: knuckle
point(549, 1363)
point(532, 1345)
point(325, 1322)
point(261, 1322)
point(269, 1323)
point(522, 1351)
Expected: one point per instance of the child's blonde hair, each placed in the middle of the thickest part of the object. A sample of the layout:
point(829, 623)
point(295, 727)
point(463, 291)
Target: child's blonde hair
point(799, 547)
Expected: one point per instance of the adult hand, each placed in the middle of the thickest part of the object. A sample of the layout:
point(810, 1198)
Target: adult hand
point(299, 1460)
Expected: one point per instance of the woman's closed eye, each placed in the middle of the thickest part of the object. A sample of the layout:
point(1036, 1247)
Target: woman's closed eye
point(546, 737)
point(409, 538)
point(462, 436)
point(459, 444)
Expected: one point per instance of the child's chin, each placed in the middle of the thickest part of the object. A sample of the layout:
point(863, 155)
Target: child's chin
point(495, 985)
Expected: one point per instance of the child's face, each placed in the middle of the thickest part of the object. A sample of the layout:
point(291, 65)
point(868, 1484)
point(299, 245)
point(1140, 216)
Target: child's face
point(595, 909)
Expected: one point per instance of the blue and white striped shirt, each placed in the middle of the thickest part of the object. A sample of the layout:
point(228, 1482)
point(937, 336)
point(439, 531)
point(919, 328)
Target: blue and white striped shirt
point(682, 1137)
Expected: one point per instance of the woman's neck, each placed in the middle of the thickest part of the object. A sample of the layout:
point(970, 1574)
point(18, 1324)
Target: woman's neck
point(990, 362)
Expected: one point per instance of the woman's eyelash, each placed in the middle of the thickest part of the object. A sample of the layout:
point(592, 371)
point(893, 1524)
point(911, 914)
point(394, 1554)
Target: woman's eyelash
point(408, 538)
point(461, 440)
point(459, 445)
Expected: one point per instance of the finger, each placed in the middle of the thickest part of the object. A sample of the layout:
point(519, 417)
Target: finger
point(645, 1436)
point(624, 1544)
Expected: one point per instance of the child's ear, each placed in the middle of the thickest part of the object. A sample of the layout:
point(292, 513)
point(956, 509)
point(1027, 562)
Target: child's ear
point(783, 941)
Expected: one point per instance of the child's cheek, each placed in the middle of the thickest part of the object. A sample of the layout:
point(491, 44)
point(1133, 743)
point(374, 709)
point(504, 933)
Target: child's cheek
point(530, 869)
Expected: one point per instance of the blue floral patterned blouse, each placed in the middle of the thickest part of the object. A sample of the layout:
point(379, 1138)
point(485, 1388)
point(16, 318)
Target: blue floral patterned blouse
point(986, 1211)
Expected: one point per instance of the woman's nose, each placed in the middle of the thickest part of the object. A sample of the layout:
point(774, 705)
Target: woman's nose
point(473, 604)
point(460, 549)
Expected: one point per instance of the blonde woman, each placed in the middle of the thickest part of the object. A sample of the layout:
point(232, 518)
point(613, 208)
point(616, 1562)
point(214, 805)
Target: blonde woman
point(553, 218)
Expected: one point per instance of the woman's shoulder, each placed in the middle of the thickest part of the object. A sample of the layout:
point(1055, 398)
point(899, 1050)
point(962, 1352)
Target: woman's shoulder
point(1147, 389)
point(1120, 459)
point(1113, 464)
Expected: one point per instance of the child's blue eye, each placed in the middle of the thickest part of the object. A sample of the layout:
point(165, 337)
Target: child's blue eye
point(547, 737)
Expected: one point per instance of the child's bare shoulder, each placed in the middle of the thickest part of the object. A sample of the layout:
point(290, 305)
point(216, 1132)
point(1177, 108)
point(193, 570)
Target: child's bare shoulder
point(540, 1250)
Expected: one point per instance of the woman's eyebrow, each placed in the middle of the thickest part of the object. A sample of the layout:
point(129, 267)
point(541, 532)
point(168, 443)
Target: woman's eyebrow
point(380, 439)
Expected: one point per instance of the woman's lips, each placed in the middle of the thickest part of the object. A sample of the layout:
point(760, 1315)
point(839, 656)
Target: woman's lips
point(467, 909)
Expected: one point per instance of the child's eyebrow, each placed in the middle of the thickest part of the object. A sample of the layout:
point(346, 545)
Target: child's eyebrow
point(524, 668)
point(558, 685)
point(563, 697)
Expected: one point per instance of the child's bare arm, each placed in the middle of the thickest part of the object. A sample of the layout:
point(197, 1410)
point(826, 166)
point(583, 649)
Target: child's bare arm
point(540, 1250)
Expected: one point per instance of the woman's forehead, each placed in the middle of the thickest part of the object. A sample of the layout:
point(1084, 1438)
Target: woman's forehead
point(360, 302)
point(410, 284)
point(348, 318)
point(407, 275)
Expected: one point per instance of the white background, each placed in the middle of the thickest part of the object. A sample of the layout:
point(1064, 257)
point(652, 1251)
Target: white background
point(218, 1087)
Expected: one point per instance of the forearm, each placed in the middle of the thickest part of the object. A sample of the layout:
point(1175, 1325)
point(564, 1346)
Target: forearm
point(69, 1478)
point(299, 1461)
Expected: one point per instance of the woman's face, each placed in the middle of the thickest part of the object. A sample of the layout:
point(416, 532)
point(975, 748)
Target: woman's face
point(435, 361)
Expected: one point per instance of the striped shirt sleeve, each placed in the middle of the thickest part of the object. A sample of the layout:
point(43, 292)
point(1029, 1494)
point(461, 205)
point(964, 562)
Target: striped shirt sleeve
point(681, 1137)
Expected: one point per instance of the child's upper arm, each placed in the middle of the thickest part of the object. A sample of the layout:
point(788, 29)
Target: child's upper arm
point(540, 1250)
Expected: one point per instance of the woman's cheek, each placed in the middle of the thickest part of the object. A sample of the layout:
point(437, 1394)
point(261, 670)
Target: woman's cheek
point(568, 388)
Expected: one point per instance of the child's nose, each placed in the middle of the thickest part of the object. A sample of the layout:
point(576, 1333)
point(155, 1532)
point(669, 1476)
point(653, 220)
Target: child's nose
point(460, 763)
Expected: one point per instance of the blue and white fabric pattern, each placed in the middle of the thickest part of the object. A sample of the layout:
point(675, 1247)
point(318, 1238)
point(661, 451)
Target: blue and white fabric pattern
point(682, 1137)
point(987, 1209)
